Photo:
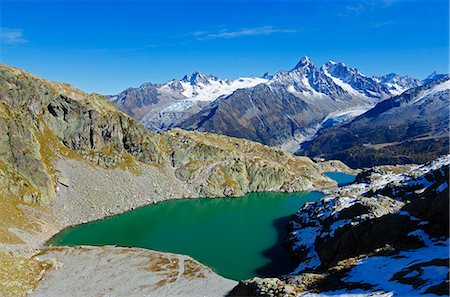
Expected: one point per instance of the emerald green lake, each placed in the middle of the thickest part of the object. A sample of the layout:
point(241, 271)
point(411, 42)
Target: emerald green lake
point(237, 237)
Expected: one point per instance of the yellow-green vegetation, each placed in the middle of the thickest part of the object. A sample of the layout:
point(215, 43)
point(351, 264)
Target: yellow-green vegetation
point(192, 269)
point(19, 275)
point(12, 216)
point(166, 267)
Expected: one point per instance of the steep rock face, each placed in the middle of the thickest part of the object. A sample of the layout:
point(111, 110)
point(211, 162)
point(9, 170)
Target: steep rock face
point(355, 79)
point(387, 232)
point(135, 101)
point(42, 120)
point(412, 127)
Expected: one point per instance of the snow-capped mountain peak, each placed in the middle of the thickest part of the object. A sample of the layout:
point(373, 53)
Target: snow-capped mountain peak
point(203, 87)
point(434, 76)
point(197, 78)
point(267, 75)
point(397, 84)
point(305, 62)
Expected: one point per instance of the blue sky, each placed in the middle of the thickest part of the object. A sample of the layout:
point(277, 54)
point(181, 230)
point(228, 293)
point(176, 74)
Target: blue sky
point(107, 46)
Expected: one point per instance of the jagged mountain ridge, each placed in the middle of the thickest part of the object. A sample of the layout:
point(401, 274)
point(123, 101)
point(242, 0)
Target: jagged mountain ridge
point(159, 106)
point(409, 128)
point(184, 103)
point(294, 104)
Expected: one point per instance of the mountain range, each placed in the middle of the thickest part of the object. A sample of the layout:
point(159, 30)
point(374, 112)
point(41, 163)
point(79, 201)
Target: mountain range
point(283, 109)
point(288, 109)
point(409, 128)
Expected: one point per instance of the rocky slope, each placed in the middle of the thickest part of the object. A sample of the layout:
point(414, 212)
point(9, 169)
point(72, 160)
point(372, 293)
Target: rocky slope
point(68, 157)
point(387, 234)
point(282, 109)
point(411, 127)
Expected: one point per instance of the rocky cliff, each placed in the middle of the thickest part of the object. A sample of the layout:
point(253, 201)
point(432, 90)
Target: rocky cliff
point(385, 234)
point(68, 157)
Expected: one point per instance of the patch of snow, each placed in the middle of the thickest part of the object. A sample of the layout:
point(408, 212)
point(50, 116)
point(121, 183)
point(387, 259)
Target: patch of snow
point(345, 86)
point(419, 233)
point(405, 213)
point(378, 271)
point(433, 274)
point(338, 224)
point(395, 89)
point(306, 238)
point(413, 273)
point(342, 203)
point(435, 89)
point(178, 106)
point(375, 94)
point(215, 88)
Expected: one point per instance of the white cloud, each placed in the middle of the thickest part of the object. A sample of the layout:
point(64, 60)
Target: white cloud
point(383, 24)
point(12, 36)
point(355, 9)
point(226, 34)
point(361, 6)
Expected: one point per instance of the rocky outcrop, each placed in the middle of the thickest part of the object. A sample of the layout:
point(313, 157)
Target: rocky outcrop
point(386, 232)
point(264, 287)
point(223, 166)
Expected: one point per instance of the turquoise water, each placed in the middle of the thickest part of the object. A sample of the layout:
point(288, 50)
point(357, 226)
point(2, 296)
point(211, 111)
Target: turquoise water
point(342, 178)
point(237, 237)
